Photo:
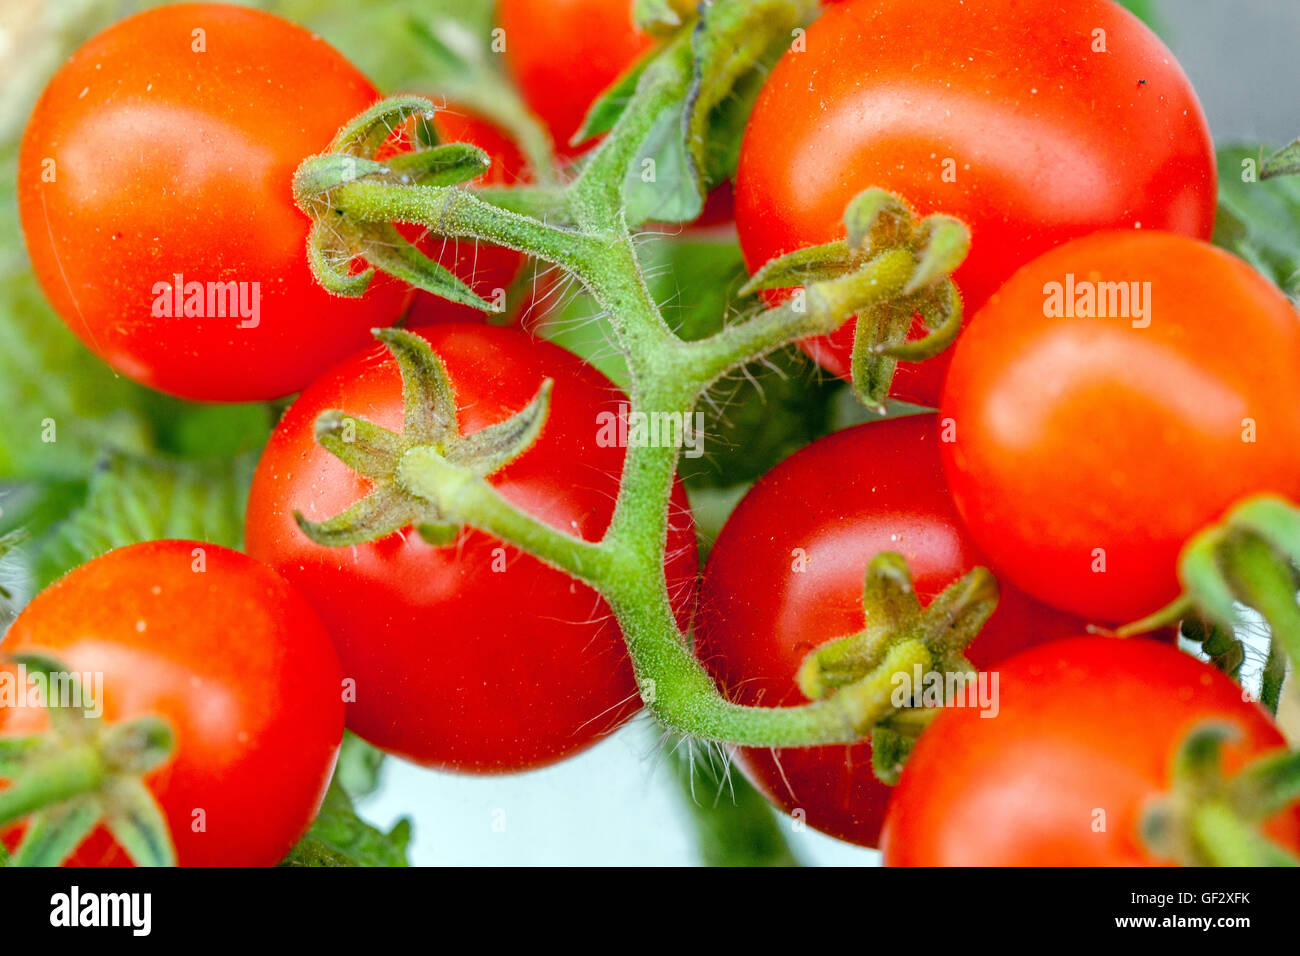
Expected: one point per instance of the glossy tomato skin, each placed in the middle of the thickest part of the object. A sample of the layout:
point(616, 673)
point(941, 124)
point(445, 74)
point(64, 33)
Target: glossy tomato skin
point(145, 160)
point(999, 113)
point(1085, 726)
point(831, 508)
point(1079, 439)
point(474, 656)
point(484, 267)
point(232, 658)
point(564, 53)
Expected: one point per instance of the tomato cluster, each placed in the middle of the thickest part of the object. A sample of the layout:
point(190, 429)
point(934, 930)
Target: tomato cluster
point(1119, 385)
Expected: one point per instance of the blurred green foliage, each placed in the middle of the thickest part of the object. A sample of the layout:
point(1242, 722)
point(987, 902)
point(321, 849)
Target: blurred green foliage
point(1259, 221)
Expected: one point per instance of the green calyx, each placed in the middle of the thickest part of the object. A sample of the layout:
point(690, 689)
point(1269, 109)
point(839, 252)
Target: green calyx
point(900, 638)
point(880, 227)
point(1251, 557)
point(338, 243)
point(1210, 819)
point(83, 773)
point(418, 473)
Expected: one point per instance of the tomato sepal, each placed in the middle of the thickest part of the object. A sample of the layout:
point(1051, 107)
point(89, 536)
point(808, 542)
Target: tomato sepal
point(879, 228)
point(335, 241)
point(387, 249)
point(894, 614)
point(418, 472)
point(1210, 819)
point(903, 638)
point(82, 773)
point(330, 256)
point(801, 267)
point(439, 165)
point(369, 130)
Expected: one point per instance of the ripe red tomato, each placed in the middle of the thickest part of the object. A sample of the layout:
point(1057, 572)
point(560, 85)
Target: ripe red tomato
point(473, 656)
point(484, 268)
point(232, 658)
point(1087, 451)
point(786, 575)
point(166, 147)
point(1086, 726)
point(564, 53)
point(1002, 113)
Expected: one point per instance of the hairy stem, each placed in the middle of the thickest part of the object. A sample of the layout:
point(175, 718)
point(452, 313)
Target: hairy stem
point(461, 214)
point(583, 228)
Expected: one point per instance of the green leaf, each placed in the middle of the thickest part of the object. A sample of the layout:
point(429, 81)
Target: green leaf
point(1259, 221)
point(62, 404)
point(735, 45)
point(662, 185)
point(358, 767)
point(1285, 162)
point(1146, 11)
point(207, 432)
point(134, 499)
point(694, 144)
point(612, 103)
point(755, 420)
point(341, 838)
point(66, 408)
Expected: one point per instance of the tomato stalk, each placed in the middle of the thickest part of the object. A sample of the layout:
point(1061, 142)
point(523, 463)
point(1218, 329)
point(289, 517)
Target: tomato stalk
point(888, 256)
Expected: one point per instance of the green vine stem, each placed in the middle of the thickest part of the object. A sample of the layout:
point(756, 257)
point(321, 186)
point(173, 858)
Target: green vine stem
point(582, 227)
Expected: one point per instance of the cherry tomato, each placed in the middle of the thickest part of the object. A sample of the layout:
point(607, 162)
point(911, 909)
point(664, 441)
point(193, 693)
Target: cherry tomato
point(489, 270)
point(786, 575)
point(472, 656)
point(162, 154)
point(1083, 742)
point(1007, 114)
point(226, 652)
point(1088, 449)
point(564, 54)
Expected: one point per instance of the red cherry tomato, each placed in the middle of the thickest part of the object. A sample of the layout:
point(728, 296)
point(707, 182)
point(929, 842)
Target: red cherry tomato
point(488, 270)
point(564, 54)
point(1088, 451)
point(226, 652)
point(1005, 113)
point(786, 575)
point(1083, 742)
point(472, 656)
point(166, 148)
